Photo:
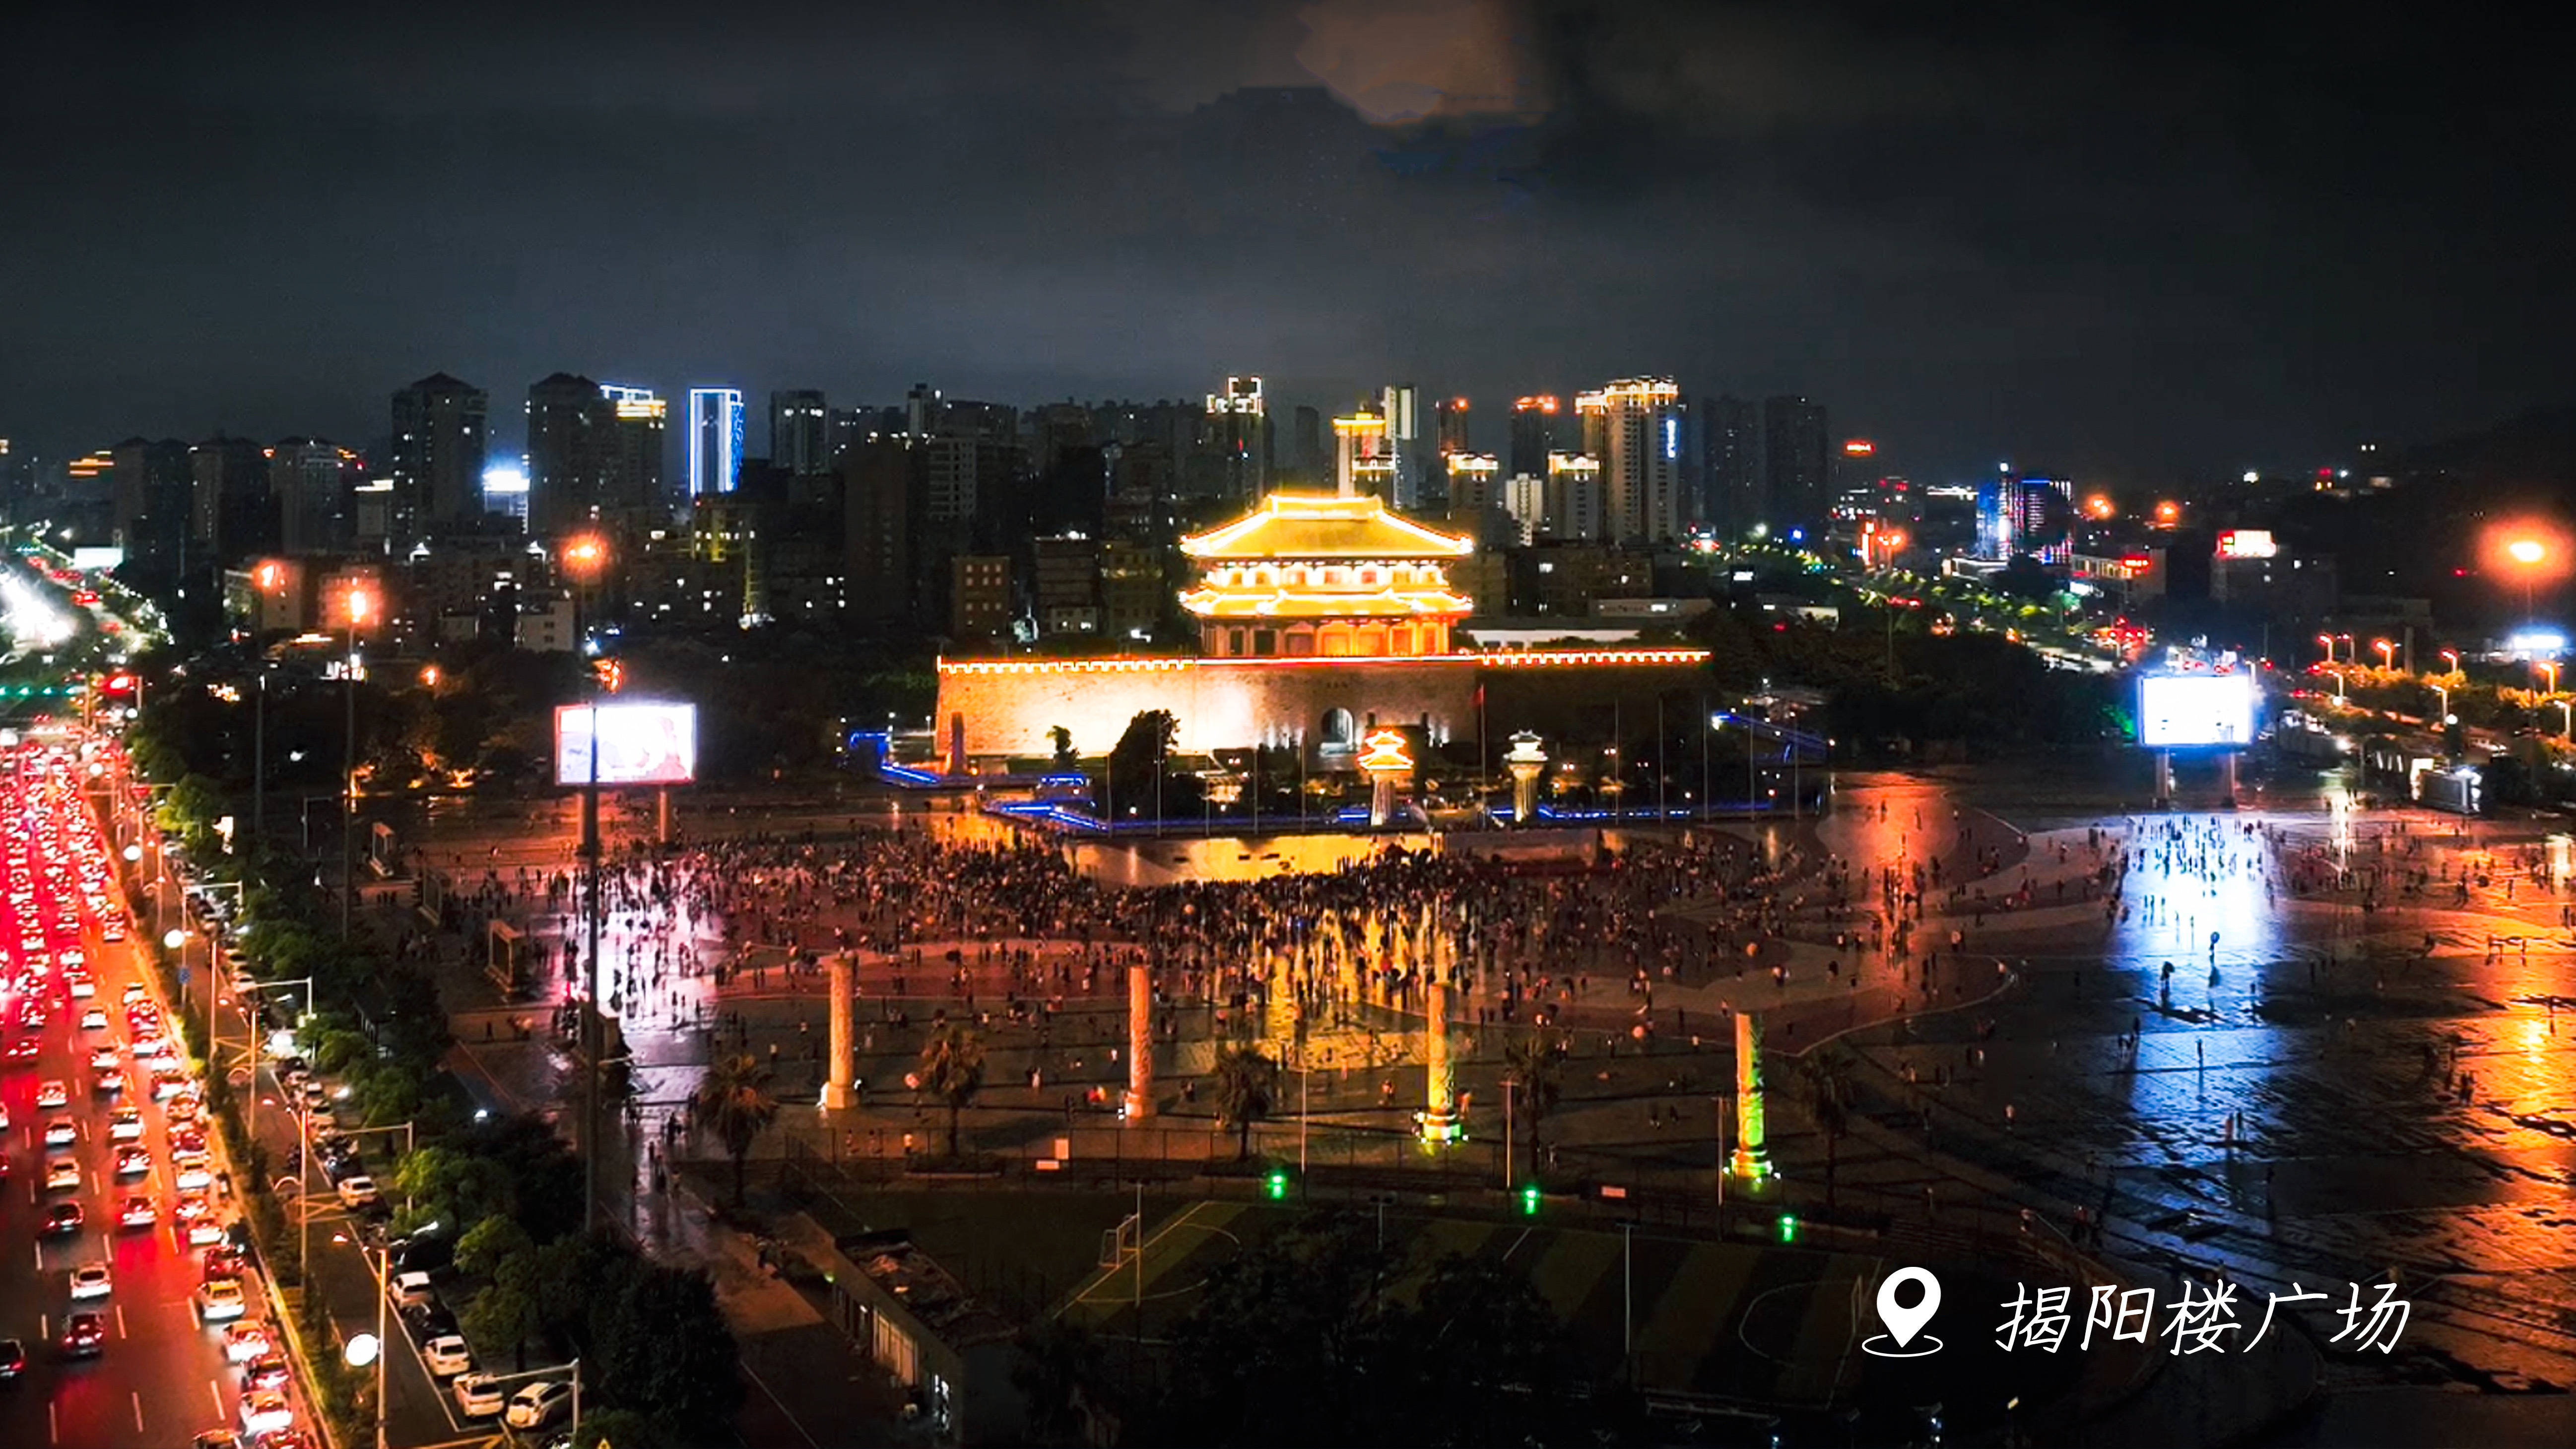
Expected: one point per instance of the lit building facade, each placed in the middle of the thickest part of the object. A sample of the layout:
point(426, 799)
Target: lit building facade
point(1363, 456)
point(715, 440)
point(1634, 428)
point(1237, 438)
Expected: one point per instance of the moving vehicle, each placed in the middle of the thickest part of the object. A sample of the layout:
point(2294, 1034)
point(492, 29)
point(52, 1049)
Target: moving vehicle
point(536, 1405)
point(91, 1280)
point(220, 1301)
point(85, 1336)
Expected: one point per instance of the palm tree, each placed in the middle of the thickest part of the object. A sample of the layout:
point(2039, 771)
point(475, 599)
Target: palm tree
point(1246, 1084)
point(1534, 1066)
point(734, 1098)
point(952, 1070)
point(1824, 1081)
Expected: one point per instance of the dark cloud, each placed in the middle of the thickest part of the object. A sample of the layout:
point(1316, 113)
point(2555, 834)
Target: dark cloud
point(2041, 233)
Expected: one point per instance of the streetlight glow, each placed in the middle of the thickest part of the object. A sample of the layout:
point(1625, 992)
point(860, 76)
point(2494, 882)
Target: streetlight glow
point(2526, 551)
point(362, 1349)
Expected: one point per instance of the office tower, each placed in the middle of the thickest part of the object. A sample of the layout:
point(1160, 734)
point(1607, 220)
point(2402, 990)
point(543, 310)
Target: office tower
point(1397, 404)
point(573, 454)
point(1309, 444)
point(1534, 436)
point(311, 481)
point(1633, 428)
point(2018, 515)
point(1794, 463)
point(1730, 501)
point(441, 438)
point(1452, 413)
point(800, 432)
point(921, 410)
point(1237, 439)
point(153, 481)
point(715, 440)
point(1574, 503)
point(1363, 457)
point(639, 418)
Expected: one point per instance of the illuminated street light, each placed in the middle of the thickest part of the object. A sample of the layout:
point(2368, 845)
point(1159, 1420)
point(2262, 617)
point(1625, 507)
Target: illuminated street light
point(2387, 653)
point(2327, 641)
point(2453, 655)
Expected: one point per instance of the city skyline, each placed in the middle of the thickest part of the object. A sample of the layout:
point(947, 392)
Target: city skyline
point(2028, 231)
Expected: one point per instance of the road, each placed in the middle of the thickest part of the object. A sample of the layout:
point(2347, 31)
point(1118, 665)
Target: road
point(162, 1377)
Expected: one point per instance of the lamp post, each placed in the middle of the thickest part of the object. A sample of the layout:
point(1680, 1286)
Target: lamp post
point(2387, 653)
point(583, 558)
point(364, 1349)
point(360, 604)
point(2452, 657)
point(2326, 641)
point(2551, 666)
point(2339, 685)
point(2566, 718)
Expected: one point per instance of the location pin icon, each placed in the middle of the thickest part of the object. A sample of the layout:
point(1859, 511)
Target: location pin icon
point(1904, 1322)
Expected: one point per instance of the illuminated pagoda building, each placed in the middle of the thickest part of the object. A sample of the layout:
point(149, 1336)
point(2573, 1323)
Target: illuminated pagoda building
point(1324, 619)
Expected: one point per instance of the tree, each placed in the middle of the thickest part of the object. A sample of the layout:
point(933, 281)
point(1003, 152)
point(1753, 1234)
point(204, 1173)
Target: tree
point(1535, 1066)
point(952, 1070)
point(733, 1097)
point(506, 1311)
point(1246, 1085)
point(1062, 739)
point(1824, 1081)
point(662, 1346)
point(1139, 777)
point(487, 1245)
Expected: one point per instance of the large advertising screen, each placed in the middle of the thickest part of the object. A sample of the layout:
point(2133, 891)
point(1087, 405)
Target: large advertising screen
point(637, 744)
point(2176, 711)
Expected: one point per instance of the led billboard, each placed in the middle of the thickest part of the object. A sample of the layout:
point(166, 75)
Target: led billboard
point(2178, 711)
point(638, 744)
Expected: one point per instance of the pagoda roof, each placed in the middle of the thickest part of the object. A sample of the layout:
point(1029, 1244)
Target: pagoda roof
point(1323, 526)
point(1210, 603)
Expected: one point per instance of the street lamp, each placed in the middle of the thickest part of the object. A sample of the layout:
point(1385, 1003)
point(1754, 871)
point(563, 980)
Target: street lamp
point(360, 605)
point(2552, 666)
point(2326, 641)
point(2387, 653)
point(585, 556)
point(2452, 657)
point(364, 1349)
point(2339, 686)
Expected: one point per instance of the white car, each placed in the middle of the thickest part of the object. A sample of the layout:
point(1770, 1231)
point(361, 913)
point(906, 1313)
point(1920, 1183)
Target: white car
point(90, 1280)
point(265, 1413)
point(536, 1405)
point(124, 1125)
point(477, 1397)
point(62, 1132)
point(52, 1093)
point(220, 1301)
point(447, 1356)
point(411, 1288)
point(358, 1192)
point(84, 984)
point(193, 1173)
point(105, 1057)
point(63, 1174)
point(244, 1341)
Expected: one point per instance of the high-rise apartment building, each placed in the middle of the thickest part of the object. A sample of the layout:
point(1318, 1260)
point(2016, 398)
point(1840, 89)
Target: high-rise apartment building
point(1574, 501)
point(1796, 483)
point(1452, 414)
point(1633, 428)
point(1237, 439)
point(230, 510)
point(1534, 435)
point(715, 440)
point(1363, 456)
point(800, 432)
point(441, 439)
point(1475, 483)
point(1399, 404)
point(1728, 447)
point(1311, 461)
point(311, 480)
point(574, 454)
point(640, 419)
point(153, 481)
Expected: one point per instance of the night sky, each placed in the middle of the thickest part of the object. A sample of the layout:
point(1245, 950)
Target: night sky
point(2248, 239)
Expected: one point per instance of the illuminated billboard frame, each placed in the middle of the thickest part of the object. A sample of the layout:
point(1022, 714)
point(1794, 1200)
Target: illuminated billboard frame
point(2196, 711)
point(645, 743)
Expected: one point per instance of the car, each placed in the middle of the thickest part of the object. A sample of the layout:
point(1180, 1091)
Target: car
point(268, 1371)
point(447, 1356)
point(424, 1252)
point(477, 1397)
point(105, 1057)
point(110, 1083)
point(111, 927)
point(427, 1320)
point(85, 1336)
point(13, 1360)
point(265, 1412)
point(63, 1219)
point(25, 1049)
point(192, 1207)
point(137, 1212)
point(535, 1405)
point(132, 993)
point(294, 1438)
point(185, 1107)
point(132, 1162)
point(244, 1341)
point(82, 984)
point(411, 1288)
point(62, 1132)
point(168, 1082)
point(340, 1162)
point(215, 1439)
point(63, 1174)
point(224, 1262)
point(358, 1192)
point(198, 1232)
point(51, 1092)
point(91, 1280)
point(124, 1125)
point(33, 1017)
point(191, 1172)
point(220, 1301)
point(154, 1047)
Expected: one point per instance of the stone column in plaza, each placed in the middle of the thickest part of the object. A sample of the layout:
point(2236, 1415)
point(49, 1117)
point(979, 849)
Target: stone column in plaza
point(1752, 1160)
point(1440, 1107)
point(1527, 761)
point(1140, 1044)
point(844, 1068)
